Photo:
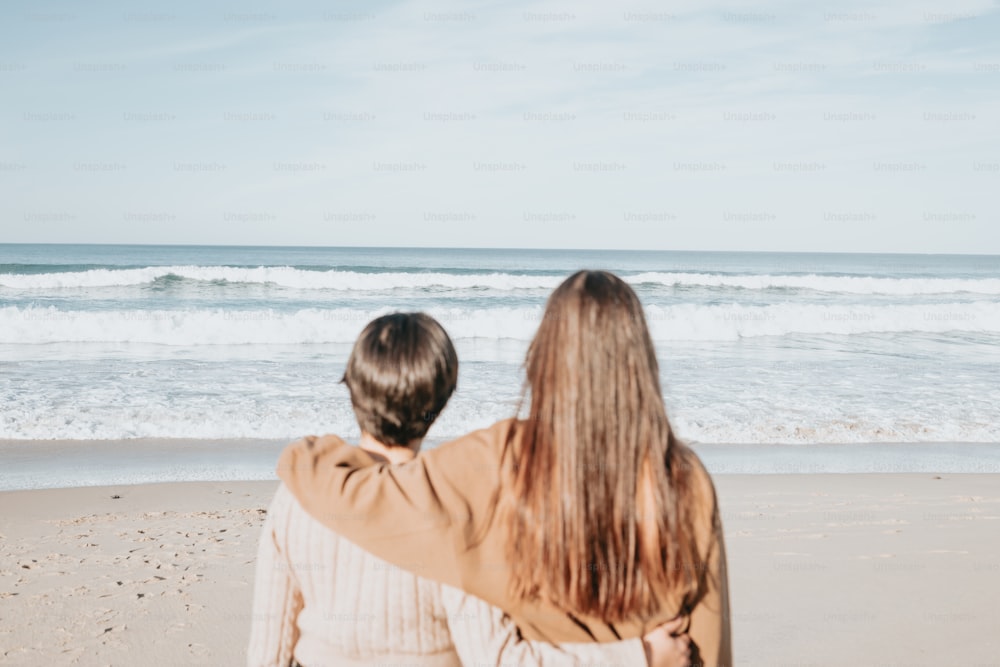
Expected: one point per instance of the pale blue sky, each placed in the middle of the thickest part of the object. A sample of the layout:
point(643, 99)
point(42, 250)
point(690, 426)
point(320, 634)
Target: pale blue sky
point(868, 126)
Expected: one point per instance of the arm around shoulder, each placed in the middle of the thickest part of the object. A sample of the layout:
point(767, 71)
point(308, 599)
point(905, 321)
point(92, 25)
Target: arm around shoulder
point(431, 506)
point(485, 635)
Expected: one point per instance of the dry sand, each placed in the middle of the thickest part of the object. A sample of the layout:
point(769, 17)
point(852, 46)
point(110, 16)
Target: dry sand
point(824, 570)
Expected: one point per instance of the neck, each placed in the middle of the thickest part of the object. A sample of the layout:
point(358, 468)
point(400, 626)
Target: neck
point(393, 455)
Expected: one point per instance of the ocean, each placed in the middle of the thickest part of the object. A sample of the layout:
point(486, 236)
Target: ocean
point(131, 343)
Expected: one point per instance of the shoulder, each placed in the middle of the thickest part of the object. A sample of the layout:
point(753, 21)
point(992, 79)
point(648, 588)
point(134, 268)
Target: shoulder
point(303, 459)
point(286, 511)
point(693, 469)
point(493, 437)
point(293, 526)
point(282, 502)
point(700, 485)
point(485, 445)
point(283, 508)
point(312, 445)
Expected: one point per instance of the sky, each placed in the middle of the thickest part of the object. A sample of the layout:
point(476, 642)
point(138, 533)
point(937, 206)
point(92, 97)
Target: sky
point(690, 125)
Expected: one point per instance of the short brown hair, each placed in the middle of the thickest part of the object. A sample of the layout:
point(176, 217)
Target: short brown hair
point(401, 373)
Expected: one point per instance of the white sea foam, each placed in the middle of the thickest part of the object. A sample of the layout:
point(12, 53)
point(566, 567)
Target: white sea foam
point(283, 276)
point(782, 427)
point(733, 321)
point(289, 277)
point(685, 322)
point(285, 419)
point(825, 283)
point(213, 415)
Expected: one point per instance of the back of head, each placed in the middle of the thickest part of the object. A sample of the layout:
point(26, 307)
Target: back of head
point(598, 495)
point(401, 373)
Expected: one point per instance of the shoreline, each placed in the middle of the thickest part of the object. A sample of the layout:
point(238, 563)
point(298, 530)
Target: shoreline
point(824, 570)
point(49, 464)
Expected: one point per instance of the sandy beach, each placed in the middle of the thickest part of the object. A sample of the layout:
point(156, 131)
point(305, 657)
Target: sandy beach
point(893, 569)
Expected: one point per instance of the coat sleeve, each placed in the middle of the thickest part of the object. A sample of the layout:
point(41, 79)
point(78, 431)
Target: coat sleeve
point(277, 599)
point(485, 635)
point(419, 515)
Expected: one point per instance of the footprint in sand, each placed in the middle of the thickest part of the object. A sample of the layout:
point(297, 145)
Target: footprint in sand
point(175, 627)
point(111, 636)
point(74, 652)
point(199, 650)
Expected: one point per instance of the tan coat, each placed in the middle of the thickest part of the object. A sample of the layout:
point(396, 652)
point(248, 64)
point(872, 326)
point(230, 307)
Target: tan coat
point(434, 516)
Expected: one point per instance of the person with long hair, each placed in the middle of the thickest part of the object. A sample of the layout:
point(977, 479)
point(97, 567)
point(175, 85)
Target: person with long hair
point(320, 600)
point(585, 520)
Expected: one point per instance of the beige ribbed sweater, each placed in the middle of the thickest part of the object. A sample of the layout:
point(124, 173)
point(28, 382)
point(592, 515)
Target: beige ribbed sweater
point(324, 601)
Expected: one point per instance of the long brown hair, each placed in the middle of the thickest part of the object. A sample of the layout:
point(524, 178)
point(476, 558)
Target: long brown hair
point(597, 496)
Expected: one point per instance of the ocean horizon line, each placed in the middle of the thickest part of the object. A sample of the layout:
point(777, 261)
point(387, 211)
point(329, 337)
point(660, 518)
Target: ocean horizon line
point(896, 253)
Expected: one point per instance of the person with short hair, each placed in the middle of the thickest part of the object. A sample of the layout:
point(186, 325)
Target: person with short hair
point(321, 600)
